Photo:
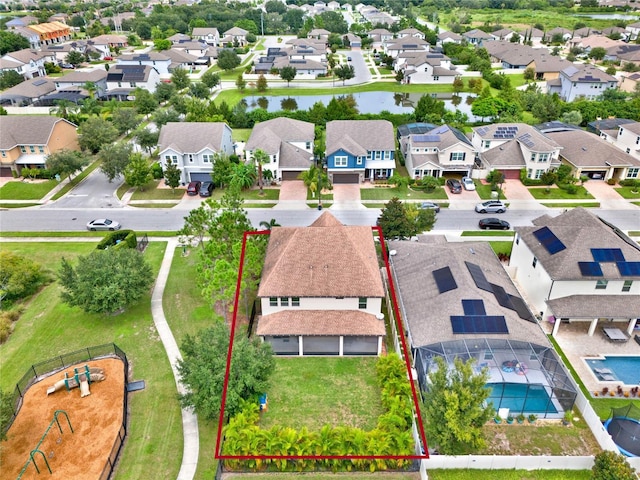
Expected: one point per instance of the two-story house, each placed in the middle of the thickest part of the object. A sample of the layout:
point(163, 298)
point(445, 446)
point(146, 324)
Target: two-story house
point(317, 299)
point(122, 80)
point(405, 45)
point(379, 36)
point(581, 81)
point(51, 32)
point(26, 62)
point(476, 37)
point(77, 80)
point(289, 144)
point(627, 139)
point(425, 68)
point(104, 44)
point(157, 60)
point(411, 32)
point(193, 146)
point(578, 268)
point(359, 150)
point(210, 36)
point(26, 140)
point(590, 155)
point(235, 36)
point(457, 301)
point(28, 92)
point(319, 34)
point(437, 152)
point(510, 147)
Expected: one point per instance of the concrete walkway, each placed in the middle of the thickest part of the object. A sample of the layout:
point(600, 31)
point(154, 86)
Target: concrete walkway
point(191, 443)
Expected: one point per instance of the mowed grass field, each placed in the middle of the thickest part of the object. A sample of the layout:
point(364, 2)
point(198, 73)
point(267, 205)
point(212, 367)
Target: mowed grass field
point(315, 391)
point(48, 327)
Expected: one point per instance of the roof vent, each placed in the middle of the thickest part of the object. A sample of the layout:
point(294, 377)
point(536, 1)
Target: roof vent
point(584, 149)
point(392, 253)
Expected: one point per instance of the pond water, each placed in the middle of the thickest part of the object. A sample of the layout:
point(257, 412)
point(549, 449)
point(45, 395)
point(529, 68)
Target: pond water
point(609, 16)
point(367, 102)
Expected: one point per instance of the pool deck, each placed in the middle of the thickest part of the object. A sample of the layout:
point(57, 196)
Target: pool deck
point(577, 344)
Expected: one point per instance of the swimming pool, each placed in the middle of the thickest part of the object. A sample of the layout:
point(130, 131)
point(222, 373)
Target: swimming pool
point(520, 397)
point(616, 368)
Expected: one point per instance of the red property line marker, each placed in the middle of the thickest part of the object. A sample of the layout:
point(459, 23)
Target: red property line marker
point(220, 456)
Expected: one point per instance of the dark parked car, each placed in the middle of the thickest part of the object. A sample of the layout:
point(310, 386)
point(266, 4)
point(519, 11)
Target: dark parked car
point(429, 206)
point(206, 188)
point(493, 224)
point(194, 187)
point(454, 185)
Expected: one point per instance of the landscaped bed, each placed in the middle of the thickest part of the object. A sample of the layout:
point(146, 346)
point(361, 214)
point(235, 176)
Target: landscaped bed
point(311, 392)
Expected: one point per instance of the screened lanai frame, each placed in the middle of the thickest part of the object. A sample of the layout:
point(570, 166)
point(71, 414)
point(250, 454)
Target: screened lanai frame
point(508, 362)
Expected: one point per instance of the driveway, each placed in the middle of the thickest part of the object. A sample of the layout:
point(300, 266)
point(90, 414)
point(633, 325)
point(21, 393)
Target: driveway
point(293, 195)
point(465, 200)
point(607, 196)
point(346, 197)
point(515, 190)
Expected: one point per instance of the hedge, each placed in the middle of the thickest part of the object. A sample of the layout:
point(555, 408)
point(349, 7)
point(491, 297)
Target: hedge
point(119, 239)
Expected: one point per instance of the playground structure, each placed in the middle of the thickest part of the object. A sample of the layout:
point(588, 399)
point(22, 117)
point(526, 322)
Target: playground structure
point(80, 379)
point(32, 454)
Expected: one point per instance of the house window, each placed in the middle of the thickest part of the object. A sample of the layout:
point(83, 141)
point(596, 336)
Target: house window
point(359, 161)
point(601, 284)
point(32, 149)
point(436, 78)
point(295, 301)
point(284, 301)
point(387, 155)
point(620, 131)
point(487, 143)
point(628, 150)
point(119, 84)
point(457, 156)
point(308, 145)
point(533, 157)
point(539, 174)
point(378, 155)
point(543, 157)
point(190, 158)
point(535, 262)
point(340, 161)
point(626, 287)
point(637, 140)
point(3, 153)
point(362, 303)
point(273, 301)
point(633, 172)
point(40, 149)
point(207, 158)
point(132, 84)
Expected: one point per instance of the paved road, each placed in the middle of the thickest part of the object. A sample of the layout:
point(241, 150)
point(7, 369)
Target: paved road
point(36, 219)
point(94, 191)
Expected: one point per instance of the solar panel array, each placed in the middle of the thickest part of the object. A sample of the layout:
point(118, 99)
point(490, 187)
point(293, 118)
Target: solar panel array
point(37, 83)
point(521, 309)
point(501, 296)
point(478, 277)
point(444, 279)
point(473, 307)
point(526, 140)
point(628, 269)
point(479, 324)
point(549, 240)
point(505, 132)
point(482, 131)
point(426, 138)
point(607, 255)
point(590, 269)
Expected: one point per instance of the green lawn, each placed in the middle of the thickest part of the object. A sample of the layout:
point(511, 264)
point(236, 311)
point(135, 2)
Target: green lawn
point(241, 134)
point(628, 192)
point(555, 193)
point(472, 474)
point(152, 192)
point(571, 204)
point(403, 193)
point(17, 205)
point(484, 190)
point(49, 328)
point(502, 247)
point(26, 190)
point(314, 391)
point(182, 301)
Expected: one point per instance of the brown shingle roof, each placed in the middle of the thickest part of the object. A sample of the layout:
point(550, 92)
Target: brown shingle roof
point(26, 130)
point(584, 149)
point(323, 260)
point(359, 136)
point(320, 322)
point(192, 137)
point(580, 231)
point(270, 134)
point(595, 306)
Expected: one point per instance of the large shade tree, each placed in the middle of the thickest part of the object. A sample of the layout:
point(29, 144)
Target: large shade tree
point(66, 162)
point(105, 281)
point(203, 368)
point(114, 159)
point(96, 132)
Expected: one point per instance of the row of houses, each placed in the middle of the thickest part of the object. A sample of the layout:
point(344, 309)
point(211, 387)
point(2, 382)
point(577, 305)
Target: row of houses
point(455, 299)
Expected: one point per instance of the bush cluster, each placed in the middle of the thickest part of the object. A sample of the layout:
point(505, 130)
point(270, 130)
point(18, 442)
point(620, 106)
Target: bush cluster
point(36, 173)
point(119, 239)
point(392, 434)
point(7, 319)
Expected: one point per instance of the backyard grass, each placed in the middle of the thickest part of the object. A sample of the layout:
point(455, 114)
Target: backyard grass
point(403, 193)
point(48, 328)
point(241, 134)
point(26, 190)
point(484, 190)
point(555, 193)
point(628, 192)
point(311, 392)
point(501, 247)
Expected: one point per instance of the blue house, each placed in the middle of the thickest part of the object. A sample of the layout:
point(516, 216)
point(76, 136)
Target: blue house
point(360, 150)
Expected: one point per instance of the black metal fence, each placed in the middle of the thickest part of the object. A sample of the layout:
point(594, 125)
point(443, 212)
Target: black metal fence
point(41, 370)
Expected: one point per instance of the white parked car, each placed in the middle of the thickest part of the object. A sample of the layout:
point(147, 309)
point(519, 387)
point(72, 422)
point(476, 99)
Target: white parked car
point(103, 224)
point(468, 184)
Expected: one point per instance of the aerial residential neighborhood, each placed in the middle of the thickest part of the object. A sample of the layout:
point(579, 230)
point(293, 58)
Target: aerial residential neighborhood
point(256, 238)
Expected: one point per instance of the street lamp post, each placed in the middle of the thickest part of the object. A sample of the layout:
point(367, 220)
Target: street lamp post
point(319, 188)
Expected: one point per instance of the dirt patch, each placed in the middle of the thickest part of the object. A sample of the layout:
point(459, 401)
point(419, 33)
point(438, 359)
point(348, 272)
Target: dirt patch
point(96, 420)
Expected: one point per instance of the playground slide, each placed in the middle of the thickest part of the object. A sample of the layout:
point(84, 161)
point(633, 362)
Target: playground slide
point(59, 385)
point(84, 388)
point(96, 375)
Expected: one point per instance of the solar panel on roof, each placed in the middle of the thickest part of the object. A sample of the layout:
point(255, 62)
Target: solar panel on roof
point(628, 269)
point(473, 307)
point(607, 254)
point(37, 83)
point(501, 296)
point(478, 277)
point(482, 130)
point(521, 308)
point(444, 279)
point(549, 240)
point(590, 269)
point(426, 138)
point(479, 324)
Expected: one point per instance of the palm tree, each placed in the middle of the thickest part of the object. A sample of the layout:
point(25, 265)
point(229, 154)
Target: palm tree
point(244, 176)
point(64, 109)
point(91, 88)
point(310, 179)
point(260, 157)
point(270, 224)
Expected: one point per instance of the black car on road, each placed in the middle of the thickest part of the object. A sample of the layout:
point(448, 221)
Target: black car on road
point(493, 224)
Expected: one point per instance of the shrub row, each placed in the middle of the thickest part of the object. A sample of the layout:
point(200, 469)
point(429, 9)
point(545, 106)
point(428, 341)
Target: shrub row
point(392, 435)
point(119, 239)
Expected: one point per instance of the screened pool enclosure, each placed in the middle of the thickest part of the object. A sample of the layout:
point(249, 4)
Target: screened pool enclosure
point(523, 377)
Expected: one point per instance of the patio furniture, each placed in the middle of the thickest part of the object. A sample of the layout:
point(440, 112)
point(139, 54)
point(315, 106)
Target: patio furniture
point(615, 334)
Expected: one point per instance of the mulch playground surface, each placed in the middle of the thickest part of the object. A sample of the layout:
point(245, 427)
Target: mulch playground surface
point(96, 420)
